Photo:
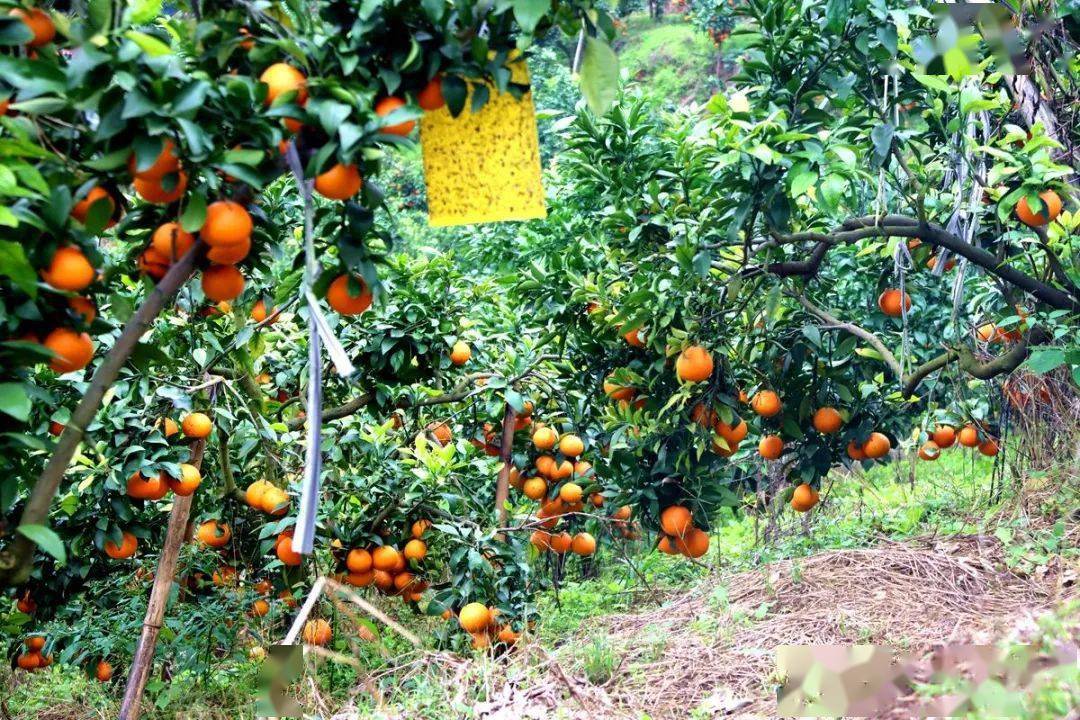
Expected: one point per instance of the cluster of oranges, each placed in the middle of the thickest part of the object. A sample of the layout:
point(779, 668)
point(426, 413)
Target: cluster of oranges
point(269, 498)
point(482, 623)
point(390, 570)
point(34, 658)
point(945, 436)
point(679, 535)
point(71, 272)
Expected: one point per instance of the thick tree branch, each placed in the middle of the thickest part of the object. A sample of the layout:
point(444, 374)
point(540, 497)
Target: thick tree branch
point(17, 560)
point(1000, 365)
point(862, 333)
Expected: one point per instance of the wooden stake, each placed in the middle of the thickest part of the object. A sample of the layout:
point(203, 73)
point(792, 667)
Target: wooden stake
point(502, 486)
point(159, 596)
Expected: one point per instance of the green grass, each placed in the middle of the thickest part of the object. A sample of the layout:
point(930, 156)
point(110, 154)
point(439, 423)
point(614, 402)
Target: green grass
point(670, 60)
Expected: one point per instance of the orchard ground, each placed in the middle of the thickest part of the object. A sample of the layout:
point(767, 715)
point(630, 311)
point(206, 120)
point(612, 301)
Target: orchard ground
point(887, 558)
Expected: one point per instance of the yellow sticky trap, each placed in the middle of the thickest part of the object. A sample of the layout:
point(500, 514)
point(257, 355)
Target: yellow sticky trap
point(484, 166)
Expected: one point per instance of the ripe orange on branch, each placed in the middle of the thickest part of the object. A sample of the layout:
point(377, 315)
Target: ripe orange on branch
point(571, 446)
point(73, 350)
point(164, 190)
point(675, 520)
point(877, 445)
point(431, 97)
point(229, 254)
point(281, 78)
point(39, 23)
point(166, 162)
point(804, 498)
point(226, 223)
point(766, 403)
point(196, 425)
point(214, 534)
point(827, 420)
point(124, 550)
point(944, 436)
point(890, 302)
point(460, 353)
point(69, 270)
point(342, 299)
point(771, 447)
point(1052, 208)
point(81, 209)
point(317, 632)
point(222, 282)
point(388, 105)
point(171, 241)
point(141, 487)
point(188, 482)
point(694, 364)
point(340, 182)
point(544, 438)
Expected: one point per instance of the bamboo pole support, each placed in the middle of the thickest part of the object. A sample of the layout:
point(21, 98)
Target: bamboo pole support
point(159, 596)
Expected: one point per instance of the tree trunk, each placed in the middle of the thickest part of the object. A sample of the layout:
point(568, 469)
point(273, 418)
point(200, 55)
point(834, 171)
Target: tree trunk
point(502, 486)
point(17, 561)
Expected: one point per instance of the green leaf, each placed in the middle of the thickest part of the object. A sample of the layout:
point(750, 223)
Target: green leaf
point(194, 214)
point(143, 11)
point(882, 136)
point(15, 401)
point(1044, 360)
point(46, 539)
point(801, 179)
point(148, 43)
point(599, 75)
point(530, 12)
point(13, 264)
point(40, 106)
point(13, 31)
point(100, 14)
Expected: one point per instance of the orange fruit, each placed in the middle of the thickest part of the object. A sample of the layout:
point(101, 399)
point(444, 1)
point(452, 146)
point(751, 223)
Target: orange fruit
point(675, 520)
point(545, 465)
point(84, 307)
point(254, 493)
point(284, 550)
point(28, 661)
point(152, 263)
point(508, 636)
point(154, 190)
point(69, 270)
point(570, 493)
point(342, 299)
point(259, 313)
point(227, 223)
point(944, 436)
point(385, 557)
point(190, 477)
point(415, 550)
point(419, 528)
point(431, 97)
point(616, 392)
point(259, 608)
point(81, 209)
point(166, 162)
point(694, 364)
point(358, 561)
point(441, 432)
point(534, 488)
point(694, 544)
point(35, 643)
point(889, 302)
point(39, 23)
point(73, 350)
point(597, 499)
point(340, 182)
point(827, 420)
point(460, 353)
point(876, 446)
point(766, 403)
point(388, 105)
point(560, 543)
point(360, 579)
point(989, 447)
point(571, 446)
point(703, 416)
point(222, 282)
point(623, 513)
point(124, 550)
point(103, 672)
point(734, 434)
point(633, 337)
point(1049, 213)
point(214, 534)
point(969, 436)
point(544, 438)
point(56, 429)
point(583, 544)
point(929, 451)
point(142, 487)
point(474, 617)
point(196, 425)
point(275, 501)
point(804, 498)
point(855, 451)
point(229, 254)
point(171, 241)
point(541, 540)
point(771, 447)
point(281, 78)
point(317, 632)
point(666, 546)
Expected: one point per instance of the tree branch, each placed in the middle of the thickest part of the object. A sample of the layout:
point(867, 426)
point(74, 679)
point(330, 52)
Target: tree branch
point(1000, 365)
point(869, 337)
